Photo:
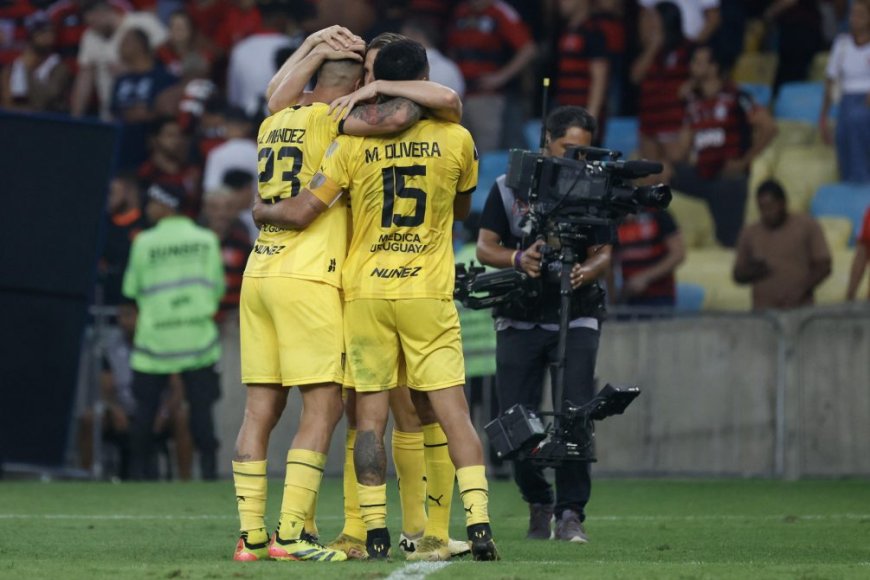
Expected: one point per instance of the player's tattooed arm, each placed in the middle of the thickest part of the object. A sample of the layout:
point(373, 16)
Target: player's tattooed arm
point(383, 118)
point(370, 458)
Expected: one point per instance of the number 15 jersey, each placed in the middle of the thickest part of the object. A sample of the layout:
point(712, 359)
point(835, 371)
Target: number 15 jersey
point(402, 188)
point(290, 145)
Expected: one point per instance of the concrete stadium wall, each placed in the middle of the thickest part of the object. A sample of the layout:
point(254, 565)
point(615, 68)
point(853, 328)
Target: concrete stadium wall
point(723, 395)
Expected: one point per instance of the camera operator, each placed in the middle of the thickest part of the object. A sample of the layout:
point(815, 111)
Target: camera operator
point(527, 337)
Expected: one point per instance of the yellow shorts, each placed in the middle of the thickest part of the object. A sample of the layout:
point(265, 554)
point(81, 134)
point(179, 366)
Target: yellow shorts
point(291, 332)
point(423, 332)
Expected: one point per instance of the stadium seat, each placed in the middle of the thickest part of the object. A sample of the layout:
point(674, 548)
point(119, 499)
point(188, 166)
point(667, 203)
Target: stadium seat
point(757, 68)
point(761, 94)
point(800, 101)
point(532, 131)
point(711, 268)
point(802, 170)
point(492, 164)
point(690, 297)
point(838, 231)
point(843, 200)
point(818, 66)
point(694, 220)
point(833, 289)
point(621, 134)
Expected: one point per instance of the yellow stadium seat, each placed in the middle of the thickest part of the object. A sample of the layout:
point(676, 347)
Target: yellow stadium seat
point(711, 268)
point(838, 231)
point(790, 133)
point(819, 66)
point(694, 219)
point(801, 169)
point(757, 68)
point(833, 290)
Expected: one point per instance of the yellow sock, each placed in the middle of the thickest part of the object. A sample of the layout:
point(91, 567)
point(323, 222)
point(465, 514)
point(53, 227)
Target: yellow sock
point(440, 474)
point(373, 505)
point(310, 526)
point(304, 472)
point(354, 526)
point(474, 492)
point(411, 471)
point(250, 480)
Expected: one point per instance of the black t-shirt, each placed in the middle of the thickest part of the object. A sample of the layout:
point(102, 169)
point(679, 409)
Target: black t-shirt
point(494, 218)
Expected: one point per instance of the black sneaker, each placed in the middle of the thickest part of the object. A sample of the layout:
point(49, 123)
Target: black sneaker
point(378, 544)
point(540, 518)
point(482, 545)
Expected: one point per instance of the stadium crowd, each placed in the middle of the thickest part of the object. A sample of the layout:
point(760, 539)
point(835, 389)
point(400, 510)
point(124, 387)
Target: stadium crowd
point(753, 107)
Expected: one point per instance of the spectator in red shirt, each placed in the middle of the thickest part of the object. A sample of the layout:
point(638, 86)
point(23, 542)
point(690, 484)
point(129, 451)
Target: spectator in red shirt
point(38, 80)
point(862, 257)
point(181, 45)
point(169, 164)
point(649, 251)
point(609, 17)
point(68, 17)
point(581, 60)
point(221, 216)
point(241, 19)
point(722, 133)
point(13, 29)
point(207, 17)
point(661, 70)
point(491, 45)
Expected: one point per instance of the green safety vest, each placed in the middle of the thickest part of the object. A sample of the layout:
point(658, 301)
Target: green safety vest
point(176, 277)
point(478, 331)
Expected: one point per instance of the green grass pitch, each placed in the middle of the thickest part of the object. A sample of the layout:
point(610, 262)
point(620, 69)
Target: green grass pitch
point(638, 529)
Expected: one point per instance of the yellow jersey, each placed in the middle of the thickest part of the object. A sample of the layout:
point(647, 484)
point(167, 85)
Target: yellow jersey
point(291, 144)
point(402, 188)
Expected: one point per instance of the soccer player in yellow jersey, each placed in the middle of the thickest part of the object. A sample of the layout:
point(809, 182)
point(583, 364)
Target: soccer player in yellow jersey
point(405, 191)
point(425, 473)
point(291, 311)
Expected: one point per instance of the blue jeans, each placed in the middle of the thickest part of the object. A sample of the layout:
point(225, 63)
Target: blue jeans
point(853, 138)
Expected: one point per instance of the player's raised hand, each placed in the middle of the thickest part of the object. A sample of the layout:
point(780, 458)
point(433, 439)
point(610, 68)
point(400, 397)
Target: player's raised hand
point(342, 106)
point(355, 52)
point(337, 37)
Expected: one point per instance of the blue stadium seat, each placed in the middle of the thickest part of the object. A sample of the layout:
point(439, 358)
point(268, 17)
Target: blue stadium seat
point(800, 102)
point(845, 200)
point(492, 164)
point(621, 134)
point(761, 94)
point(532, 131)
point(690, 297)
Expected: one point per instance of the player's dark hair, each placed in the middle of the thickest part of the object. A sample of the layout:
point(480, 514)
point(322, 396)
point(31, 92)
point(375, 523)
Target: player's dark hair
point(402, 60)
point(383, 39)
point(772, 188)
point(563, 118)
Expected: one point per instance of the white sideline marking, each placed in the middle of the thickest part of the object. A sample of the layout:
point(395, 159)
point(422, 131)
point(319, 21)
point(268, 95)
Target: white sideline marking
point(417, 570)
point(656, 518)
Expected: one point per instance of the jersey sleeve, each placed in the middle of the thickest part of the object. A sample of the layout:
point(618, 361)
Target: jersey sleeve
point(335, 171)
point(512, 28)
point(468, 174)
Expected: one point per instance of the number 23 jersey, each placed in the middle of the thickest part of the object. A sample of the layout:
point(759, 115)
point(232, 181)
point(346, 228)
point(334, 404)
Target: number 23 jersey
point(290, 145)
point(402, 188)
